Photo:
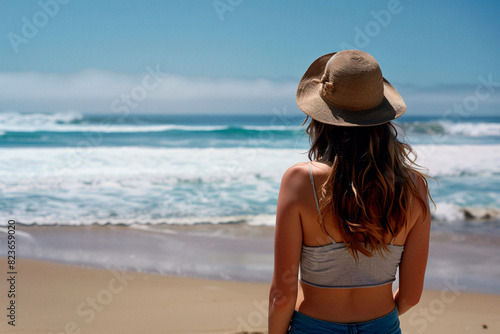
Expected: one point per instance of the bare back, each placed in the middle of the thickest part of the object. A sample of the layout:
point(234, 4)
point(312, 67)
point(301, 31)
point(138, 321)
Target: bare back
point(338, 304)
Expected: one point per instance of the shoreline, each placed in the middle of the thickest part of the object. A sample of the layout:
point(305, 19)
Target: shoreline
point(57, 298)
point(235, 252)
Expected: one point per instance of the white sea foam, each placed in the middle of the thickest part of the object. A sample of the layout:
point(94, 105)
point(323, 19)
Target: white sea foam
point(182, 163)
point(467, 129)
point(64, 122)
point(13, 118)
point(126, 185)
point(205, 163)
point(271, 127)
point(447, 212)
point(110, 128)
point(451, 213)
point(23, 234)
point(61, 122)
point(454, 160)
point(254, 220)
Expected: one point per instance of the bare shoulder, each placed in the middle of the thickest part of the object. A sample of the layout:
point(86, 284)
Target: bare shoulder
point(296, 172)
point(419, 181)
point(295, 180)
point(301, 170)
point(421, 209)
point(421, 184)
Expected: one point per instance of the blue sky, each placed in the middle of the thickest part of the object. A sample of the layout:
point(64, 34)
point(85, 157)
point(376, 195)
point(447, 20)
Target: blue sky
point(239, 55)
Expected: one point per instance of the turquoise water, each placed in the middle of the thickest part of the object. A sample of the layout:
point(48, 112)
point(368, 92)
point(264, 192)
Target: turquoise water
point(75, 169)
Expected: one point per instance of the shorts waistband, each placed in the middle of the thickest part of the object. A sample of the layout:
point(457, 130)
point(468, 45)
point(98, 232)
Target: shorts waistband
point(389, 322)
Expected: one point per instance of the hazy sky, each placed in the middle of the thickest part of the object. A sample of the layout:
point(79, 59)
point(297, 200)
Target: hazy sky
point(240, 55)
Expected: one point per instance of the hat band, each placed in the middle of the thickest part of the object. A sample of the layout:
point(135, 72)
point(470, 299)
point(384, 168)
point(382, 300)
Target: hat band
point(354, 101)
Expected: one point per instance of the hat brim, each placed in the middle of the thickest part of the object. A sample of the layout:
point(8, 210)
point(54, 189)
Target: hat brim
point(310, 102)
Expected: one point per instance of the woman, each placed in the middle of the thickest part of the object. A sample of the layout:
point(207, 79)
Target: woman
point(354, 213)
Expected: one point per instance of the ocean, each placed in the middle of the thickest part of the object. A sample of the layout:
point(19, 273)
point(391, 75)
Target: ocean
point(69, 168)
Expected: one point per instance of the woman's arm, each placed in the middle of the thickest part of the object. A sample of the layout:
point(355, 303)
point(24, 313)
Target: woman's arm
point(414, 260)
point(287, 249)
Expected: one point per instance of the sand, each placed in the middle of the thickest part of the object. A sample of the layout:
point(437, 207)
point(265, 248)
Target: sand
point(59, 298)
point(237, 252)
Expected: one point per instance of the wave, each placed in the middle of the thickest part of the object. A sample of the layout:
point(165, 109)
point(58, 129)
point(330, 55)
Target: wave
point(464, 129)
point(459, 160)
point(448, 214)
point(13, 118)
point(129, 185)
point(441, 160)
point(74, 121)
point(149, 224)
point(112, 128)
point(472, 129)
point(452, 213)
point(270, 128)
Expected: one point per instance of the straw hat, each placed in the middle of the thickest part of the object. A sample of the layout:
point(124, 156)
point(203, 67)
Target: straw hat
point(347, 88)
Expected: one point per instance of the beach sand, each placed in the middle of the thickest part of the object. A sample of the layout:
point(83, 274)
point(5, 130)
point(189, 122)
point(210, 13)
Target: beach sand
point(59, 298)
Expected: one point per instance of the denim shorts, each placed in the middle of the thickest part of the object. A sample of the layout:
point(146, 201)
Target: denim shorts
point(303, 324)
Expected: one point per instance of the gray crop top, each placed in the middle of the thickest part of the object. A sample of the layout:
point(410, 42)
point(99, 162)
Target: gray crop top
point(332, 266)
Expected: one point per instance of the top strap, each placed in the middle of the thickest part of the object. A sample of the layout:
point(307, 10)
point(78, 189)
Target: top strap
point(392, 241)
point(316, 199)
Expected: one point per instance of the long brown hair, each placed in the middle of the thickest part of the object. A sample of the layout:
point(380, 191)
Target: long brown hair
point(370, 186)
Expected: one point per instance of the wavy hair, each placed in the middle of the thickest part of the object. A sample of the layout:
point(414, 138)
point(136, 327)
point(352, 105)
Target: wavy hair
point(370, 187)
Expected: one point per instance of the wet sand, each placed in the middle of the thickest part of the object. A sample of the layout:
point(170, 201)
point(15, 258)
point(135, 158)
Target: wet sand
point(236, 252)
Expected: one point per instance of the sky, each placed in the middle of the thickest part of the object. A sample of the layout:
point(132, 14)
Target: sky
point(240, 56)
